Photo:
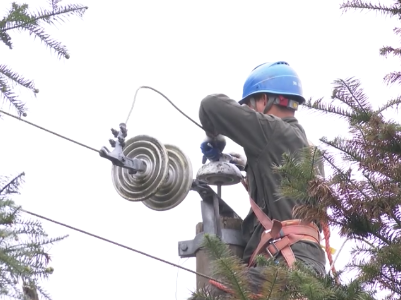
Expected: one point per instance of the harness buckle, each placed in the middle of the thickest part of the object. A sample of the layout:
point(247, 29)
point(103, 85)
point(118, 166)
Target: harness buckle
point(273, 256)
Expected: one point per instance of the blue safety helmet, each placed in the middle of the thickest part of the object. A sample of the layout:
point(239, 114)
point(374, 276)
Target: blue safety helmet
point(274, 78)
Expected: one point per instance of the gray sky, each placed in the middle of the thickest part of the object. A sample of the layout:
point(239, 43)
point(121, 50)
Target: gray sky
point(186, 50)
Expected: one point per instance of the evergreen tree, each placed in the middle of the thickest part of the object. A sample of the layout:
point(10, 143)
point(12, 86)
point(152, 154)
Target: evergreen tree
point(20, 18)
point(392, 11)
point(24, 259)
point(362, 198)
point(23, 244)
point(281, 283)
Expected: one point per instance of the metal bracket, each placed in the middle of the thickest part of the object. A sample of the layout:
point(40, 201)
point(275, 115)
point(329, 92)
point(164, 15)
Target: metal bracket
point(207, 194)
point(117, 156)
point(212, 207)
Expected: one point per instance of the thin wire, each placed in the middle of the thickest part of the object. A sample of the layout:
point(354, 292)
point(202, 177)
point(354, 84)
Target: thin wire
point(165, 97)
point(93, 149)
point(52, 132)
point(117, 244)
point(176, 279)
point(338, 254)
point(128, 117)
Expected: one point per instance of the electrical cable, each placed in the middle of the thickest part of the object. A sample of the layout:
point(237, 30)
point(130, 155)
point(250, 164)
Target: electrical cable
point(128, 117)
point(93, 149)
point(47, 130)
point(116, 244)
point(165, 97)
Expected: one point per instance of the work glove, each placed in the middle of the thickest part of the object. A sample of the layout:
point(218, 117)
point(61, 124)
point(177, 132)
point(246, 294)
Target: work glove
point(212, 148)
point(238, 160)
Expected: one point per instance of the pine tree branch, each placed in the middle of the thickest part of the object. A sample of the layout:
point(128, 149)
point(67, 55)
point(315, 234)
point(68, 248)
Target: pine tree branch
point(393, 77)
point(43, 15)
point(397, 30)
point(54, 4)
point(6, 39)
point(389, 104)
point(268, 287)
point(12, 185)
point(362, 5)
point(16, 78)
point(22, 247)
point(228, 265)
point(318, 105)
point(348, 91)
point(350, 153)
point(8, 95)
point(385, 51)
point(60, 49)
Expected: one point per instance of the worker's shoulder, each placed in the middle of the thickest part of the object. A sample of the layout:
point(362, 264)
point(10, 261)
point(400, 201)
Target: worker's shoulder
point(225, 106)
point(287, 121)
point(215, 97)
point(284, 124)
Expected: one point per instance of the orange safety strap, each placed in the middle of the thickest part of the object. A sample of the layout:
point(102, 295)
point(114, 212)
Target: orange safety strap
point(274, 230)
point(278, 237)
point(227, 290)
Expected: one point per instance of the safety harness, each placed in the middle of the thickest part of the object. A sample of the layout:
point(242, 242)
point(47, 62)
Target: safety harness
point(280, 235)
point(277, 238)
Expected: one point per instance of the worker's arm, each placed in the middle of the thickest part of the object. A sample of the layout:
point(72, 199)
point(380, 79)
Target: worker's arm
point(221, 115)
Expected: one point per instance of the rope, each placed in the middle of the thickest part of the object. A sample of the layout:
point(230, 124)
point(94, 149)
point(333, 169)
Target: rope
point(117, 244)
point(326, 231)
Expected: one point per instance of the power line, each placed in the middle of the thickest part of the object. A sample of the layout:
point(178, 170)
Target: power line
point(128, 117)
point(85, 232)
point(49, 131)
point(117, 244)
point(93, 149)
point(165, 97)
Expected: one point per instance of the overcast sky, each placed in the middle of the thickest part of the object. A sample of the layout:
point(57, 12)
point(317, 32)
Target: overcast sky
point(187, 50)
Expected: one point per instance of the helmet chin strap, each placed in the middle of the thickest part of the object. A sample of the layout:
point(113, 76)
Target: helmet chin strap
point(269, 104)
point(279, 100)
point(252, 102)
point(282, 101)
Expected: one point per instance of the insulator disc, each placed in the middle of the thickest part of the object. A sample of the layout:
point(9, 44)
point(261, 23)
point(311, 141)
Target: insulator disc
point(177, 183)
point(142, 185)
point(219, 172)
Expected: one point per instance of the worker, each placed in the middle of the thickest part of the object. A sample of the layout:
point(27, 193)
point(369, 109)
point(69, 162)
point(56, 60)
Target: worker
point(263, 122)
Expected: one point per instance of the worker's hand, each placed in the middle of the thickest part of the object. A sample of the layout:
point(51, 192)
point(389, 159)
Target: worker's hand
point(212, 148)
point(238, 160)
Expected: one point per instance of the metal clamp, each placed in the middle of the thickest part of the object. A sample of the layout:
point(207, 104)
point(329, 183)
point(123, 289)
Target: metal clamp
point(117, 156)
point(212, 207)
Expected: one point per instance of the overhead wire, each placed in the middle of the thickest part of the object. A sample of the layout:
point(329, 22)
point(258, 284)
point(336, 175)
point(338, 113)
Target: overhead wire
point(116, 244)
point(128, 117)
point(165, 97)
point(49, 131)
point(95, 150)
